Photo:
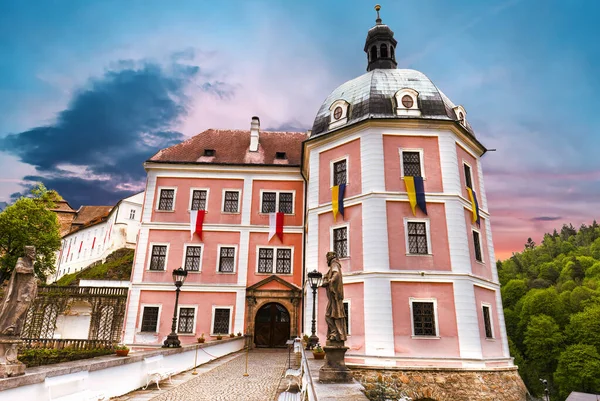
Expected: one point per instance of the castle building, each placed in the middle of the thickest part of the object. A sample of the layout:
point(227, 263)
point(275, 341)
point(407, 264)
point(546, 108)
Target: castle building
point(408, 219)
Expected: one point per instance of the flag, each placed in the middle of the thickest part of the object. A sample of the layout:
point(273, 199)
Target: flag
point(69, 251)
point(94, 242)
point(409, 181)
point(420, 193)
point(337, 200)
point(276, 225)
point(80, 245)
point(474, 206)
point(109, 231)
point(196, 222)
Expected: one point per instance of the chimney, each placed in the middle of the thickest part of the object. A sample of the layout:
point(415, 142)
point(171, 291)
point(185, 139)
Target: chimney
point(254, 130)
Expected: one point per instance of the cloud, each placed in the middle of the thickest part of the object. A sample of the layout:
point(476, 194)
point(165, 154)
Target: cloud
point(94, 151)
point(545, 218)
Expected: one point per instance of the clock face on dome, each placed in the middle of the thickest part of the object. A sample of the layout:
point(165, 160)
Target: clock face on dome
point(337, 113)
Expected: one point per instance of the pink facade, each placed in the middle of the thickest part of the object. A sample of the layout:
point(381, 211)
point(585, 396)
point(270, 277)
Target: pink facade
point(290, 241)
point(353, 219)
point(465, 157)
point(296, 187)
point(479, 268)
point(350, 151)
point(491, 347)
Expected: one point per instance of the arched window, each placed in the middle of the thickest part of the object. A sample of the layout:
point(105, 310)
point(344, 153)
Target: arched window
point(392, 53)
point(383, 51)
point(373, 53)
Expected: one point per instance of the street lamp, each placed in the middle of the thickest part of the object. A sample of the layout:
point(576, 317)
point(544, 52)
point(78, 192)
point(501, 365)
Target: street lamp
point(546, 391)
point(314, 280)
point(172, 340)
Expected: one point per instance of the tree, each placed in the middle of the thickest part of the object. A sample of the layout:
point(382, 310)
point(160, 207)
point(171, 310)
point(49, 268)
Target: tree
point(529, 244)
point(29, 221)
point(585, 326)
point(543, 343)
point(577, 370)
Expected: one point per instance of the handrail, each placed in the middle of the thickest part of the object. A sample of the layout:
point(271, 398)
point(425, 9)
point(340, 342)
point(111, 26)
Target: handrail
point(97, 291)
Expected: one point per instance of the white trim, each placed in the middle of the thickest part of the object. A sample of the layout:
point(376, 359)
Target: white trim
point(277, 192)
point(465, 163)
point(427, 233)
point(404, 111)
point(421, 161)
point(141, 318)
point(183, 257)
point(212, 320)
point(195, 307)
point(474, 230)
point(335, 227)
point(192, 189)
point(159, 190)
point(489, 306)
point(239, 208)
point(459, 109)
point(345, 106)
point(348, 318)
point(331, 173)
point(435, 316)
point(149, 255)
point(274, 271)
point(235, 258)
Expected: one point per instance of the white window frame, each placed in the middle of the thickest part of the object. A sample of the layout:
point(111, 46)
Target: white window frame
point(149, 256)
point(274, 248)
point(403, 111)
point(159, 192)
point(460, 109)
point(235, 258)
point(207, 195)
point(141, 318)
point(348, 318)
point(427, 232)
point(212, 320)
point(331, 173)
point(421, 160)
point(482, 261)
point(185, 247)
point(239, 191)
point(335, 227)
point(435, 315)
point(333, 123)
point(465, 163)
point(195, 307)
point(277, 192)
point(488, 305)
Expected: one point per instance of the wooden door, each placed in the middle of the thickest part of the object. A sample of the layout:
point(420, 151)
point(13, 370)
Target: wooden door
point(272, 326)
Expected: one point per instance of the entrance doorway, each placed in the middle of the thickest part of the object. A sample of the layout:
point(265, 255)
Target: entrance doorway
point(272, 326)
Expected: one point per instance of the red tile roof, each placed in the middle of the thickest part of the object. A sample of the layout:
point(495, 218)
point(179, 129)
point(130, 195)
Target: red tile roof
point(85, 214)
point(231, 147)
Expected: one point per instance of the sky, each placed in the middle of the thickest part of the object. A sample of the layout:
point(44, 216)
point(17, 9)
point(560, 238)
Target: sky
point(91, 89)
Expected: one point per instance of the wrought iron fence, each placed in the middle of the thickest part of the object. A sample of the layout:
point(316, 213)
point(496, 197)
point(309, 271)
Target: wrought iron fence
point(52, 343)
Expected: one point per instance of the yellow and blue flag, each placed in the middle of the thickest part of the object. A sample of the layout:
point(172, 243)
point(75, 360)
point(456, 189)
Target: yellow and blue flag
point(416, 193)
point(474, 206)
point(337, 200)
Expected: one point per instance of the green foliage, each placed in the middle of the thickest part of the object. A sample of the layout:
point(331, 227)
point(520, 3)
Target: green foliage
point(47, 356)
point(29, 221)
point(117, 267)
point(551, 298)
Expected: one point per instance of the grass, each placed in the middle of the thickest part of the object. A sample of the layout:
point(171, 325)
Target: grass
point(117, 267)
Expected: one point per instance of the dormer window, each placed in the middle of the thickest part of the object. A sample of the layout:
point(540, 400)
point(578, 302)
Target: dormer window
point(461, 115)
point(339, 113)
point(407, 102)
point(280, 155)
point(209, 152)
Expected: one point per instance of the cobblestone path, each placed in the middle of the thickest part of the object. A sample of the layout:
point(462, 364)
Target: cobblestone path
point(227, 383)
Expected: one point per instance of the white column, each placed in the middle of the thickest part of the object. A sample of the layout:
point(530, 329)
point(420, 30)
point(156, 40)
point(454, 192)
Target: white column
point(502, 323)
point(311, 263)
point(240, 311)
point(247, 201)
point(467, 320)
point(374, 235)
point(149, 200)
point(379, 325)
point(482, 197)
point(458, 237)
point(372, 162)
point(449, 163)
point(133, 305)
point(140, 256)
point(312, 193)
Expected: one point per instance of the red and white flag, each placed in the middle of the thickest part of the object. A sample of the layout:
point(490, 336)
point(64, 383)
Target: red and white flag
point(196, 222)
point(276, 225)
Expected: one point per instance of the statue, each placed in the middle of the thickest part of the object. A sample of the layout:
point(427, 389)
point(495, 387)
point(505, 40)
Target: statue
point(20, 293)
point(335, 316)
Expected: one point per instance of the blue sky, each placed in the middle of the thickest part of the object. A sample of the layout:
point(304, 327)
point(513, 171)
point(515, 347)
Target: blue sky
point(88, 90)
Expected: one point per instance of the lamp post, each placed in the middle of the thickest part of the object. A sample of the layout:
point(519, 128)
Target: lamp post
point(172, 340)
point(546, 391)
point(314, 280)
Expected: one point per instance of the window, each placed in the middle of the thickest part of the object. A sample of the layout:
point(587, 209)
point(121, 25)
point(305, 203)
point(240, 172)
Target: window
point(337, 113)
point(340, 241)
point(280, 155)
point(383, 51)
point(477, 246)
point(271, 199)
point(347, 312)
point(227, 260)
point(283, 262)
point(158, 258)
point(132, 214)
point(373, 53)
point(417, 237)
point(489, 333)
point(468, 181)
point(221, 319)
point(186, 320)
point(339, 172)
point(423, 318)
point(411, 164)
point(199, 200)
point(209, 152)
point(192, 258)
point(231, 201)
point(150, 319)
point(167, 197)
point(407, 101)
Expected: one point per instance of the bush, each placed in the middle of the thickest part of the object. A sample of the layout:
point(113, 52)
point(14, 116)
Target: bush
point(48, 356)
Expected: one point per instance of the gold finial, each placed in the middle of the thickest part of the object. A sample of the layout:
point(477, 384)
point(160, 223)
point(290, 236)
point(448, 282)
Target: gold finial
point(377, 8)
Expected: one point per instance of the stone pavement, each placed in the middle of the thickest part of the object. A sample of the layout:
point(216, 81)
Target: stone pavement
point(223, 380)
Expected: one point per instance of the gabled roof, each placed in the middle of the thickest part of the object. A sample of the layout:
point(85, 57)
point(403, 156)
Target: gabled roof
point(576, 396)
point(86, 214)
point(232, 147)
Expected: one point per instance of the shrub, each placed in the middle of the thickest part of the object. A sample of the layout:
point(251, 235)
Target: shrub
point(47, 356)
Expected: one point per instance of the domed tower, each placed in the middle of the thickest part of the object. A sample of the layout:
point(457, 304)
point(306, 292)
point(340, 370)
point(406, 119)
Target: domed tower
point(395, 187)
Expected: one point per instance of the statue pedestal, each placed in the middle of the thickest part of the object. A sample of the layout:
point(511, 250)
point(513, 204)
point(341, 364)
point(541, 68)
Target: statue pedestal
point(9, 364)
point(334, 370)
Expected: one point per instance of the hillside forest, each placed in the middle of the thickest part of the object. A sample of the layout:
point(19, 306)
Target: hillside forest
point(551, 298)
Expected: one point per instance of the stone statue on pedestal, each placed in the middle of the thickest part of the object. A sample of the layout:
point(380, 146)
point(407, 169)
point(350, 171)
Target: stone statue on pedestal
point(19, 295)
point(334, 370)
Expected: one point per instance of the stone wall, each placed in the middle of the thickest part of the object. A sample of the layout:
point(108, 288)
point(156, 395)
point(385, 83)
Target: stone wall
point(440, 384)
